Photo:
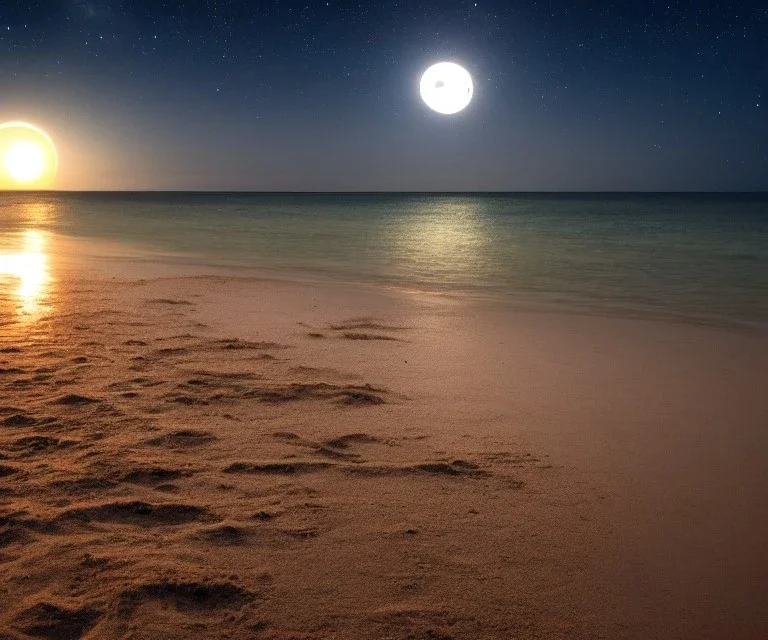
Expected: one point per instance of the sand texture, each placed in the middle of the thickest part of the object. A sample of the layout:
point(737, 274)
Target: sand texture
point(224, 458)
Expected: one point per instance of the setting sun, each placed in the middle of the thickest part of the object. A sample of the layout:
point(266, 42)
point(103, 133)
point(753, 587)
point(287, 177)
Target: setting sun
point(25, 161)
point(28, 158)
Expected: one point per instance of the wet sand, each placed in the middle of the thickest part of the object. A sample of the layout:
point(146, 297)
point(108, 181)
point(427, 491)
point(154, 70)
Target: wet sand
point(224, 457)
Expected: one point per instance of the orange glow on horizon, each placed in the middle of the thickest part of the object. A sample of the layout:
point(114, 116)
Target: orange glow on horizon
point(28, 157)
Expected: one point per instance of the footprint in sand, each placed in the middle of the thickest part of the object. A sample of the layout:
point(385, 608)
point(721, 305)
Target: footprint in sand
point(37, 444)
point(223, 535)
point(316, 447)
point(182, 439)
point(187, 400)
point(457, 468)
point(370, 324)
point(356, 335)
point(75, 399)
point(278, 468)
point(14, 535)
point(5, 470)
point(155, 476)
point(187, 596)
point(346, 441)
point(19, 420)
point(236, 343)
point(169, 351)
point(141, 514)
point(128, 385)
point(360, 329)
point(46, 620)
point(361, 398)
point(350, 395)
point(167, 488)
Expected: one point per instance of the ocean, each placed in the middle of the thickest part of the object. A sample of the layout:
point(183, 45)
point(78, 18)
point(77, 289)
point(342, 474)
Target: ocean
point(698, 256)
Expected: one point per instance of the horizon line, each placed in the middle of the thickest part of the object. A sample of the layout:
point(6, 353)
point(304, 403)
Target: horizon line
point(374, 192)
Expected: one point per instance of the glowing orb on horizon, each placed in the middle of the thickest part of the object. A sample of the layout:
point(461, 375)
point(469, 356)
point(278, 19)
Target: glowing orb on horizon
point(25, 161)
point(446, 88)
point(28, 158)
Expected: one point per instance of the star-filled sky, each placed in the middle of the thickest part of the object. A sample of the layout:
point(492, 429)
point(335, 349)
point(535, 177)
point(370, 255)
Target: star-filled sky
point(323, 95)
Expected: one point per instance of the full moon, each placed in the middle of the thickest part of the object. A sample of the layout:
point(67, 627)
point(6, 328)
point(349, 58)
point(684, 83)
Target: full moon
point(446, 87)
point(28, 158)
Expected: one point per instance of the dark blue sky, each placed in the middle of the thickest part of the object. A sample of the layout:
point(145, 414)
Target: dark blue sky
point(238, 94)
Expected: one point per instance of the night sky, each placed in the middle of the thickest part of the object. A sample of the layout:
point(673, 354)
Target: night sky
point(252, 95)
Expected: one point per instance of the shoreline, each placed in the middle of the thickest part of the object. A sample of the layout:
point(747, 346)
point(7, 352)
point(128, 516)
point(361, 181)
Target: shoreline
point(132, 262)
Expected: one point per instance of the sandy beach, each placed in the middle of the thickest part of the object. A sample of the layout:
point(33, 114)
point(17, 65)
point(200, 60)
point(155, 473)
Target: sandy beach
point(239, 457)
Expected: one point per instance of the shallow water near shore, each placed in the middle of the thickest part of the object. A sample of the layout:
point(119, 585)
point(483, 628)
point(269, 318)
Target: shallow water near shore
point(702, 256)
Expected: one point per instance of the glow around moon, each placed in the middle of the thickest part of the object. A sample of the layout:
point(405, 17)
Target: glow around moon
point(28, 158)
point(446, 87)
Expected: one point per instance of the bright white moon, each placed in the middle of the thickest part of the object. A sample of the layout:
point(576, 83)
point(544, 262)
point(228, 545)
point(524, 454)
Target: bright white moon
point(25, 161)
point(446, 87)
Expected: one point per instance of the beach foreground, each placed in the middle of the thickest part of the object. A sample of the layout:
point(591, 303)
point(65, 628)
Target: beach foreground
point(223, 457)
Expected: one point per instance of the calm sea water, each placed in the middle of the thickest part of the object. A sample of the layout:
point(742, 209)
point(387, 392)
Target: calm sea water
point(702, 256)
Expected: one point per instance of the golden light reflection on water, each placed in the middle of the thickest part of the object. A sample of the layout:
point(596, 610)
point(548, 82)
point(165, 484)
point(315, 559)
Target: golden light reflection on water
point(26, 272)
point(36, 214)
point(446, 240)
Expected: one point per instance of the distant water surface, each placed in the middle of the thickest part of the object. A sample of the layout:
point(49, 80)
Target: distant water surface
point(701, 255)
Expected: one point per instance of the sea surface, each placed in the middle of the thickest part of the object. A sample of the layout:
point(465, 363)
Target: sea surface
point(700, 256)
